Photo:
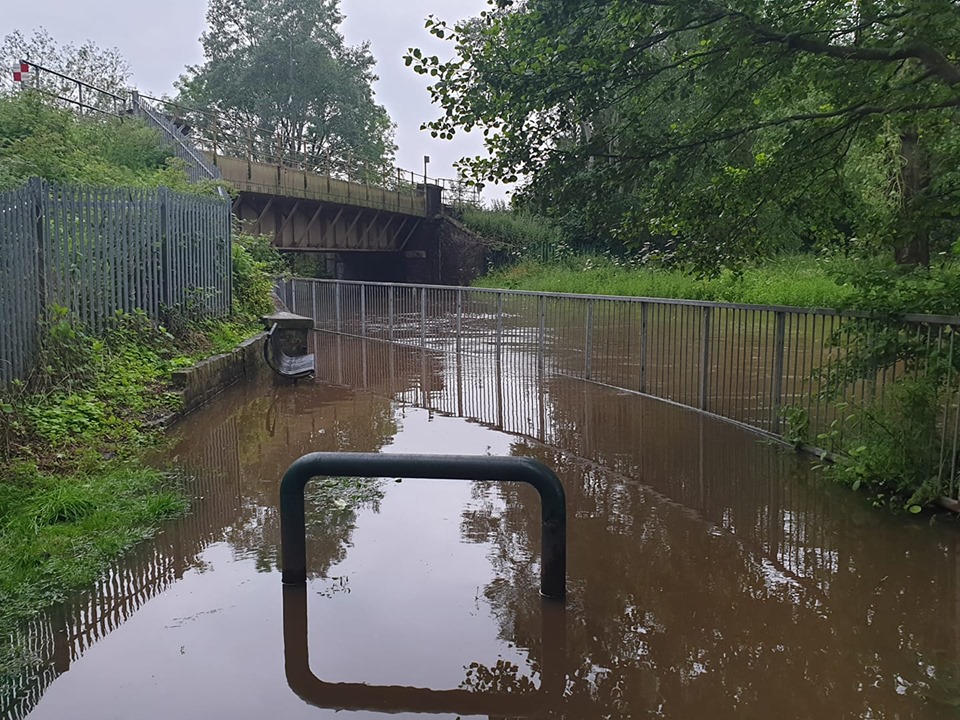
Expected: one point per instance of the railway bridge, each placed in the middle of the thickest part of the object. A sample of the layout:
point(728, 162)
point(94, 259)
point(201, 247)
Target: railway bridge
point(366, 231)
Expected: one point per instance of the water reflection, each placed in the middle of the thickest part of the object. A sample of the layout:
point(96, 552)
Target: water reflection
point(233, 463)
point(709, 574)
point(707, 570)
point(486, 693)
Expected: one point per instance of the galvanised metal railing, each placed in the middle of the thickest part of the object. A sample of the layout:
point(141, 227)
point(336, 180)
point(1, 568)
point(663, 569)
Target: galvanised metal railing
point(97, 251)
point(230, 135)
point(751, 364)
point(675, 452)
point(197, 167)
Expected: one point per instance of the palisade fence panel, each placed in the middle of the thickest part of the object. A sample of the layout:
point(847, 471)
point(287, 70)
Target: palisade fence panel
point(19, 289)
point(100, 251)
point(760, 366)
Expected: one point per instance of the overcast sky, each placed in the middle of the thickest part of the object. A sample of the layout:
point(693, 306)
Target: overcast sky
point(161, 37)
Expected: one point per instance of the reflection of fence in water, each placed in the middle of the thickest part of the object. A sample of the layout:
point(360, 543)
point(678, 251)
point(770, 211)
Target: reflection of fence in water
point(58, 638)
point(741, 362)
point(661, 446)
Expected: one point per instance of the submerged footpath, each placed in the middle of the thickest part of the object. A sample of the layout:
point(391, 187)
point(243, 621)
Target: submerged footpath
point(76, 487)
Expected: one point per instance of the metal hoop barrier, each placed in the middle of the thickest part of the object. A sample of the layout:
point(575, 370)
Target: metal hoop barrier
point(553, 511)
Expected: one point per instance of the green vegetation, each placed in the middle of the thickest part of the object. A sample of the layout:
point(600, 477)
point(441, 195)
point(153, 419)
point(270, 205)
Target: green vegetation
point(519, 236)
point(39, 140)
point(715, 134)
point(75, 491)
point(285, 84)
point(889, 446)
point(255, 263)
point(752, 144)
point(61, 531)
point(801, 281)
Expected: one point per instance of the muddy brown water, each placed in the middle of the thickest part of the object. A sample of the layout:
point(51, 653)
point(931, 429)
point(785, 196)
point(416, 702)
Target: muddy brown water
point(710, 574)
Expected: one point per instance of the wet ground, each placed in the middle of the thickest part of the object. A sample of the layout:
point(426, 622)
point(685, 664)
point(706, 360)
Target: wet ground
point(710, 574)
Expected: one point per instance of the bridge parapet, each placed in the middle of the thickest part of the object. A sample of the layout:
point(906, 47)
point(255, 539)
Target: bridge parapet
point(278, 180)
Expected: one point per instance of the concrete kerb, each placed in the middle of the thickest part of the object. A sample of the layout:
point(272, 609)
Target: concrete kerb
point(199, 384)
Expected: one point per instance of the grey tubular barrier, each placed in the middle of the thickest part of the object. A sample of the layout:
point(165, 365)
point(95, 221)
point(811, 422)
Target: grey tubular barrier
point(553, 511)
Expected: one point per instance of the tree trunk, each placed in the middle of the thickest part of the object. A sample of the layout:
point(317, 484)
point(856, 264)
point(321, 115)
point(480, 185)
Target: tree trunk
point(913, 241)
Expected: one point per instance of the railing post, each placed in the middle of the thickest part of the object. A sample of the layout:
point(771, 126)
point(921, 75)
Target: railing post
point(643, 347)
point(459, 321)
point(336, 304)
point(166, 281)
point(459, 352)
point(423, 317)
point(541, 335)
point(588, 343)
point(363, 314)
point(778, 353)
point(705, 358)
point(390, 312)
point(38, 190)
point(499, 336)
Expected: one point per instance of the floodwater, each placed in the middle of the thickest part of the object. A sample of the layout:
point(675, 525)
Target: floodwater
point(710, 574)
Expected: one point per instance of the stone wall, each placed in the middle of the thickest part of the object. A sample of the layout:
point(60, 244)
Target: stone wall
point(463, 253)
point(208, 378)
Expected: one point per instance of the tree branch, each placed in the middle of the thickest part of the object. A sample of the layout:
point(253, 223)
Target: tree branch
point(853, 113)
point(931, 58)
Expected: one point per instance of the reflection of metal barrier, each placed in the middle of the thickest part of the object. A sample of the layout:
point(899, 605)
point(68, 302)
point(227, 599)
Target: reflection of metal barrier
point(553, 511)
point(396, 699)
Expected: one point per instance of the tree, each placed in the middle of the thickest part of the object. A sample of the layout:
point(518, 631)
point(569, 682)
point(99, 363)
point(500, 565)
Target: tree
point(715, 131)
point(281, 69)
point(100, 68)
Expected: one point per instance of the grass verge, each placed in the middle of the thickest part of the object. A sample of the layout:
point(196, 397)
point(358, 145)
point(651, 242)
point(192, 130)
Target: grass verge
point(60, 532)
point(75, 493)
point(800, 281)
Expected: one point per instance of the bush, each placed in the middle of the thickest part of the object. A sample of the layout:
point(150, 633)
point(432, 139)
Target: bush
point(38, 139)
point(255, 263)
point(890, 448)
point(521, 236)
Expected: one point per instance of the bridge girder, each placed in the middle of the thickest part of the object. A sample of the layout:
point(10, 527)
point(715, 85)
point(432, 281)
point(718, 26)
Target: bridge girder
point(305, 225)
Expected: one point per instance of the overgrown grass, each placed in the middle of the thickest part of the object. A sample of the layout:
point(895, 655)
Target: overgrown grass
point(519, 236)
point(74, 490)
point(800, 281)
point(58, 533)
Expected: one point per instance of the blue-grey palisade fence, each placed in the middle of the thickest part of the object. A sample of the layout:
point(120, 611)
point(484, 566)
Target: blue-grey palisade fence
point(98, 251)
point(751, 364)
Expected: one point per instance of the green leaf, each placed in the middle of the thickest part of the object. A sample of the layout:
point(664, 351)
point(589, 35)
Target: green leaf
point(915, 509)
